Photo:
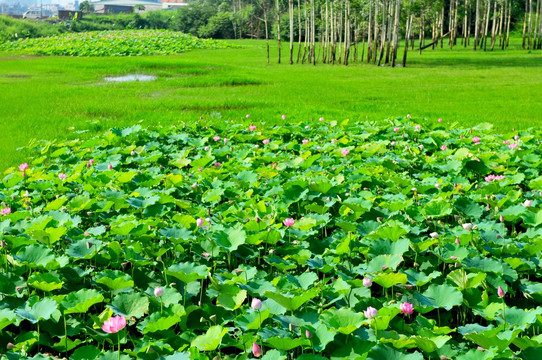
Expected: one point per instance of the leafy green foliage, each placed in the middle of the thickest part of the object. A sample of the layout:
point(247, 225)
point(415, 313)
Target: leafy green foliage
point(183, 249)
point(113, 43)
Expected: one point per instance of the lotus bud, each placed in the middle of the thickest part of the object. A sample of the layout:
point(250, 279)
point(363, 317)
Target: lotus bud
point(158, 291)
point(256, 350)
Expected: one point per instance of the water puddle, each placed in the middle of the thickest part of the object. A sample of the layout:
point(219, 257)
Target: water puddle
point(130, 78)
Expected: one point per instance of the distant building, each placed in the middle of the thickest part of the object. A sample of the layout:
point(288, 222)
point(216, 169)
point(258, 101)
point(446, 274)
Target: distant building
point(173, 4)
point(123, 6)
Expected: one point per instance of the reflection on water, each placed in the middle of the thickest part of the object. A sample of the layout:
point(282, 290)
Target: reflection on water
point(132, 77)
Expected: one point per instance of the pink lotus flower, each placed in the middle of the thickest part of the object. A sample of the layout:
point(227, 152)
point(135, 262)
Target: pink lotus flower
point(443, 147)
point(308, 334)
point(23, 167)
point(440, 120)
point(110, 167)
point(370, 313)
point(421, 147)
point(527, 203)
point(333, 141)
point(491, 178)
point(256, 304)
point(408, 116)
point(217, 164)
point(345, 152)
point(5, 211)
point(114, 324)
point(321, 119)
point(199, 222)
point(62, 176)
point(467, 226)
point(207, 148)
point(406, 308)
point(417, 128)
point(252, 127)
point(513, 146)
point(132, 153)
point(216, 138)
point(476, 139)
point(305, 141)
point(500, 292)
point(158, 291)
point(283, 117)
point(395, 129)
point(247, 116)
point(289, 222)
point(516, 137)
point(457, 241)
point(501, 218)
point(256, 350)
point(393, 143)
point(265, 142)
point(206, 255)
point(506, 142)
point(367, 282)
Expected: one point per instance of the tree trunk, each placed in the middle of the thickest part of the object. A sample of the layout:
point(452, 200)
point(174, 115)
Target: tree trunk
point(396, 32)
point(494, 26)
point(346, 32)
point(525, 22)
point(291, 13)
point(451, 24)
point(407, 37)
point(325, 57)
point(466, 23)
point(306, 33)
point(383, 35)
point(266, 34)
point(375, 39)
point(422, 34)
point(486, 23)
point(508, 25)
point(536, 25)
point(529, 25)
point(477, 25)
point(389, 32)
point(277, 4)
point(369, 38)
point(298, 30)
point(313, 47)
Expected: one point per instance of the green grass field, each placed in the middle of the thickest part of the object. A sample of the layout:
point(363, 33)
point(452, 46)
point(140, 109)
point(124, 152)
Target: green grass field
point(56, 97)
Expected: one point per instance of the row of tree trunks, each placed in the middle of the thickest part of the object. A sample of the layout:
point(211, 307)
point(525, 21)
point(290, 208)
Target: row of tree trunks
point(332, 31)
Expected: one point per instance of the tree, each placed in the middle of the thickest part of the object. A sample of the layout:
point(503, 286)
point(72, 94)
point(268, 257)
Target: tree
point(86, 7)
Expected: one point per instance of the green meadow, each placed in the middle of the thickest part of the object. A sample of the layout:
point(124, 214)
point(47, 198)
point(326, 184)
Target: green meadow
point(50, 98)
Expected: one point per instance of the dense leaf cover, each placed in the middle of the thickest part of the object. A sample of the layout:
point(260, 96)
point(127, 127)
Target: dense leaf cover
point(180, 229)
point(113, 43)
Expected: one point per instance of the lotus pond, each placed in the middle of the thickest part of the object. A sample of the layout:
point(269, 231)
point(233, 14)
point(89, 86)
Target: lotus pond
point(401, 239)
point(113, 43)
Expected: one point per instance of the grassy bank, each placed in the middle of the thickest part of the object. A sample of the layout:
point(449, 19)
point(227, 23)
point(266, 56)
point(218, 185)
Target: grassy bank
point(51, 97)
